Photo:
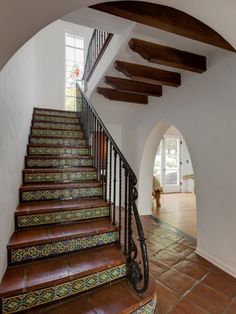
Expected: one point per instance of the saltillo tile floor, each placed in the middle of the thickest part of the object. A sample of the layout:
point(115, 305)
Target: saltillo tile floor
point(186, 283)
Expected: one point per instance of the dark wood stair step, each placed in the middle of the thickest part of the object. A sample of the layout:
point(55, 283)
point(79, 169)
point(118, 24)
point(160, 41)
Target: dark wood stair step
point(41, 242)
point(148, 74)
point(168, 56)
point(52, 206)
point(54, 212)
point(117, 298)
point(67, 275)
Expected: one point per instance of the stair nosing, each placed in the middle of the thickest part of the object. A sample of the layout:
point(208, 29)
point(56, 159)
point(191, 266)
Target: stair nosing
point(59, 207)
point(63, 236)
point(69, 277)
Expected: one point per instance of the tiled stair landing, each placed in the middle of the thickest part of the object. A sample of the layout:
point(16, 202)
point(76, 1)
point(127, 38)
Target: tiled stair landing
point(65, 256)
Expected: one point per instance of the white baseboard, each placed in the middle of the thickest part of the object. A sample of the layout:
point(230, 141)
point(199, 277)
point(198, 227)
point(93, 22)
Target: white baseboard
point(217, 263)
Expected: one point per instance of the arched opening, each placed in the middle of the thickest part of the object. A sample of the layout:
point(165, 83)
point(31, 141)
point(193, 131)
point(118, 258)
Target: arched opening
point(167, 156)
point(173, 193)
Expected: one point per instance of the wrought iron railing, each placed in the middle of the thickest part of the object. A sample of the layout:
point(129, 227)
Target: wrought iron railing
point(97, 46)
point(119, 189)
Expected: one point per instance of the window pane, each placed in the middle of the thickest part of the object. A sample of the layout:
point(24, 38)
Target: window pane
point(79, 43)
point(79, 55)
point(70, 53)
point(70, 41)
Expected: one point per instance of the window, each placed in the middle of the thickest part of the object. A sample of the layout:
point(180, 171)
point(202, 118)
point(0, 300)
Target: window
point(74, 66)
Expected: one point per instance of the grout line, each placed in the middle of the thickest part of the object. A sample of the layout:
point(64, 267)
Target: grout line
point(178, 231)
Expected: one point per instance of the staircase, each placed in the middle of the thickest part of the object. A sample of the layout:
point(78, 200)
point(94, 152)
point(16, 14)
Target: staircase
point(65, 255)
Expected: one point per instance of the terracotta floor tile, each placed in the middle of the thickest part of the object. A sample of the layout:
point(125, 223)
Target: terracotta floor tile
point(189, 243)
point(192, 269)
point(40, 273)
point(209, 299)
point(176, 281)
point(166, 298)
point(157, 268)
point(180, 249)
point(115, 293)
point(232, 308)
point(68, 306)
point(198, 259)
point(186, 307)
point(29, 236)
point(161, 244)
point(221, 282)
point(167, 258)
point(13, 280)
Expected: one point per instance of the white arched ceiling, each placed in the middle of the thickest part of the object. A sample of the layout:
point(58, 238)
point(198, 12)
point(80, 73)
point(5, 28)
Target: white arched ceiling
point(20, 20)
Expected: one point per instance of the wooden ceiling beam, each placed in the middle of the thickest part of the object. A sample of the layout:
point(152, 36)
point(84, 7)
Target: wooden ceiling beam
point(165, 18)
point(148, 74)
point(168, 56)
point(113, 94)
point(132, 86)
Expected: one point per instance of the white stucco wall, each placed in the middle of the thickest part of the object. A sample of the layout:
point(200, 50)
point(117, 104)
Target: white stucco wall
point(34, 77)
point(204, 111)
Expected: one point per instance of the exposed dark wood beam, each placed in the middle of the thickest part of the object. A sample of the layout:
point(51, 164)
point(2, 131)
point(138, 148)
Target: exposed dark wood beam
point(132, 86)
point(168, 56)
point(113, 94)
point(148, 74)
point(165, 18)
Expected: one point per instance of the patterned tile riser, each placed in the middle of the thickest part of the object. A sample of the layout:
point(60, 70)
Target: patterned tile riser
point(60, 194)
point(60, 177)
point(55, 119)
point(56, 125)
point(40, 251)
point(32, 299)
point(62, 133)
point(57, 141)
point(60, 163)
point(58, 151)
point(61, 217)
point(149, 308)
point(56, 113)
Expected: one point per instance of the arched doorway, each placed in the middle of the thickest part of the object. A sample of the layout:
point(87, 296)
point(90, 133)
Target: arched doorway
point(185, 193)
point(173, 169)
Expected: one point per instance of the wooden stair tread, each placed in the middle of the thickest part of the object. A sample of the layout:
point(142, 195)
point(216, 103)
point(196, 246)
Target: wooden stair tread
point(48, 272)
point(46, 206)
point(40, 235)
point(45, 186)
point(117, 298)
point(46, 170)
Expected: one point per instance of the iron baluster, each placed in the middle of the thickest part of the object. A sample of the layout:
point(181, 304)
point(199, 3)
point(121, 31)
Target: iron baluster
point(114, 190)
point(110, 176)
